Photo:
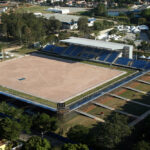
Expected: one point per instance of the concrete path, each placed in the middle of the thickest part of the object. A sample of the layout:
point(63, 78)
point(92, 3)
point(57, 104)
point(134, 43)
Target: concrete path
point(113, 109)
point(89, 115)
point(142, 81)
point(128, 100)
point(140, 118)
point(135, 90)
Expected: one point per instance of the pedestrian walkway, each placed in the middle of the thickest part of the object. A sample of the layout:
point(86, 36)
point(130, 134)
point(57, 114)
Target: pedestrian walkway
point(135, 90)
point(140, 118)
point(89, 115)
point(113, 109)
point(145, 82)
point(128, 100)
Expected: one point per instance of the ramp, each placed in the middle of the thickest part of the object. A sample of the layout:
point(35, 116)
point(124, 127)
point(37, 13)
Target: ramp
point(128, 100)
point(135, 90)
point(113, 109)
point(140, 118)
point(142, 81)
point(89, 115)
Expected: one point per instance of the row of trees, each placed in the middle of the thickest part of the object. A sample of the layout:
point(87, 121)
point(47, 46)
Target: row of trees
point(38, 143)
point(27, 27)
point(16, 122)
point(101, 25)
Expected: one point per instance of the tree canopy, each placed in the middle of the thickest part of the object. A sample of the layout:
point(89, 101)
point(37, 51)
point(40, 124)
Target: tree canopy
point(75, 147)
point(109, 134)
point(44, 123)
point(9, 129)
point(37, 143)
point(78, 133)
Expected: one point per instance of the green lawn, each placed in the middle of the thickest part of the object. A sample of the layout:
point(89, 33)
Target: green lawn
point(25, 51)
point(27, 96)
point(140, 86)
point(128, 107)
point(136, 96)
point(77, 120)
point(145, 78)
point(33, 9)
point(131, 94)
point(97, 110)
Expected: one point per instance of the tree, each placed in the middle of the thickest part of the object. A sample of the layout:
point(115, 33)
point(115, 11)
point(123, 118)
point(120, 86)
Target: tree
point(142, 145)
point(75, 147)
point(141, 21)
point(9, 129)
point(146, 13)
point(10, 111)
point(26, 123)
point(37, 143)
point(145, 46)
point(78, 133)
point(111, 133)
point(53, 25)
point(100, 10)
point(83, 24)
point(44, 123)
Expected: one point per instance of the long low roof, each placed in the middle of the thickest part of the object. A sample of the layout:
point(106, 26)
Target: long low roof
point(96, 43)
point(65, 18)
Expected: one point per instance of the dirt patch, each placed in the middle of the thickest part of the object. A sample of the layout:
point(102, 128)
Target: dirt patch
point(88, 107)
point(103, 99)
point(119, 91)
point(145, 78)
point(133, 84)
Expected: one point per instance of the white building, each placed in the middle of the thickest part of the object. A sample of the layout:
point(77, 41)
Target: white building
point(69, 21)
point(58, 10)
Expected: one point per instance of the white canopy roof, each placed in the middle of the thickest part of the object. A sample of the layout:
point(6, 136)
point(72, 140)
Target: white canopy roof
point(96, 43)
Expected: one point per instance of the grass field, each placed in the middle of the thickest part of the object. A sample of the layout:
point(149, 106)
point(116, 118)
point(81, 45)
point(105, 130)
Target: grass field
point(127, 93)
point(77, 120)
point(24, 51)
point(32, 9)
point(125, 106)
point(133, 95)
point(145, 78)
point(27, 96)
point(140, 86)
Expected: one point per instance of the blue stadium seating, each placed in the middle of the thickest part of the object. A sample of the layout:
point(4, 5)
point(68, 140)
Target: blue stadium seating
point(69, 50)
point(84, 55)
point(59, 50)
point(88, 49)
point(112, 57)
point(123, 61)
point(76, 51)
point(139, 64)
point(103, 55)
point(147, 66)
point(90, 56)
point(96, 50)
point(48, 48)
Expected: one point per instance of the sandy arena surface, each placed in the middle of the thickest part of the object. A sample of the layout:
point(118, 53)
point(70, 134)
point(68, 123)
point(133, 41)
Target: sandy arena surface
point(52, 78)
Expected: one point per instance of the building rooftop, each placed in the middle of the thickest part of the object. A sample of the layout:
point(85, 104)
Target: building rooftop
point(96, 43)
point(65, 18)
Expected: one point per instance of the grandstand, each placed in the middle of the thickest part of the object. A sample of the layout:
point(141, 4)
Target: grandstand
point(99, 51)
